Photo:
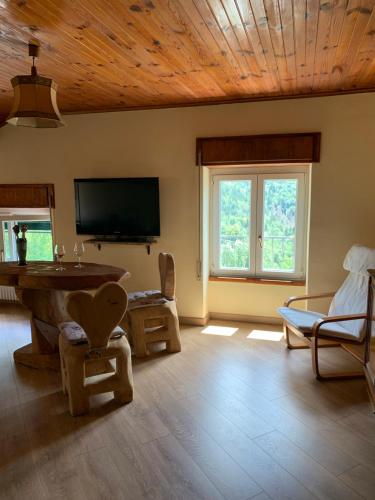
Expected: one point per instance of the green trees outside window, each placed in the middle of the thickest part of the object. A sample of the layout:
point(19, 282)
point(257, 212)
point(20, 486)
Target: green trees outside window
point(235, 213)
point(258, 224)
point(39, 240)
point(279, 224)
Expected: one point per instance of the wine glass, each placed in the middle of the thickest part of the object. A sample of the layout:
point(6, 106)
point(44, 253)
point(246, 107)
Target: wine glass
point(79, 249)
point(59, 252)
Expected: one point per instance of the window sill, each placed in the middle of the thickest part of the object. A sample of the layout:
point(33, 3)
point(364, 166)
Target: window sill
point(260, 281)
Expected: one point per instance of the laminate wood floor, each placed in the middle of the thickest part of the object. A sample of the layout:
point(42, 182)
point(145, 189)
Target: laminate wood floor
point(229, 417)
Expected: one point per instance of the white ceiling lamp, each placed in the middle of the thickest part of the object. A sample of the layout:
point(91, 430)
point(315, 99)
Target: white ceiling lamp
point(35, 102)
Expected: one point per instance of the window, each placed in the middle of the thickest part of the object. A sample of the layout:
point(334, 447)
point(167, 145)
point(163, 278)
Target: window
point(39, 240)
point(259, 225)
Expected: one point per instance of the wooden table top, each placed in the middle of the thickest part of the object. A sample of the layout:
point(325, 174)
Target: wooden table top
point(44, 275)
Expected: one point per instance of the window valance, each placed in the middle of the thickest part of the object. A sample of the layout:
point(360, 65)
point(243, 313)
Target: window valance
point(27, 196)
point(258, 149)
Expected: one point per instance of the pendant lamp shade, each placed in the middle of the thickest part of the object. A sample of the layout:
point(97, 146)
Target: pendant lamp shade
point(34, 102)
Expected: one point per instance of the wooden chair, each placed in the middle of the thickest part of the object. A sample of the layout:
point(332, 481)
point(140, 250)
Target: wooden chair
point(92, 339)
point(152, 315)
point(345, 324)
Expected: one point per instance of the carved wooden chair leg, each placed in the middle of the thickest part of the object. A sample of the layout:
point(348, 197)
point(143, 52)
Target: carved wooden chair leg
point(174, 343)
point(63, 367)
point(78, 397)
point(125, 375)
point(63, 375)
point(125, 325)
point(138, 327)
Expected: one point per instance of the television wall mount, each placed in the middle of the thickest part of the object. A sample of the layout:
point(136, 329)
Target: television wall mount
point(99, 242)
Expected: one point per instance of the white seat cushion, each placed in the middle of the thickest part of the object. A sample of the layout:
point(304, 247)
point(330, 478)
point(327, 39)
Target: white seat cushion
point(145, 298)
point(304, 322)
point(74, 334)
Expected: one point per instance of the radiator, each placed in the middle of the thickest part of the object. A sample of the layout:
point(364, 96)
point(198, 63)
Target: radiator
point(8, 294)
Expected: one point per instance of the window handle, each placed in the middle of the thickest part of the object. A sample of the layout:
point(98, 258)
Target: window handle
point(260, 241)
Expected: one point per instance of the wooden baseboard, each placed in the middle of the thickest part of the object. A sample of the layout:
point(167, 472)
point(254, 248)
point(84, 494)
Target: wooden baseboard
point(246, 318)
point(243, 318)
point(189, 320)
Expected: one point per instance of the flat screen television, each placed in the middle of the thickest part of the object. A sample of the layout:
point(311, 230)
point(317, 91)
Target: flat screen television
point(125, 208)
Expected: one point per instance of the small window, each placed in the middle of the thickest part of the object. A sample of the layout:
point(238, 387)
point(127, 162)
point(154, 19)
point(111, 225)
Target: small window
point(259, 225)
point(39, 240)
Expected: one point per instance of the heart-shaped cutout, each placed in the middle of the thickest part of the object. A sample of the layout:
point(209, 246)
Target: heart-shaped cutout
point(98, 315)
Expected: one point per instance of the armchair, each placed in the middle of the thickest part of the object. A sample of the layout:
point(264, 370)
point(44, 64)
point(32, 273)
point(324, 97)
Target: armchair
point(345, 324)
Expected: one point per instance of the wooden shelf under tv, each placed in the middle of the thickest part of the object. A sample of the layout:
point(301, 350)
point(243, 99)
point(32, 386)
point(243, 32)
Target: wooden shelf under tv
point(99, 242)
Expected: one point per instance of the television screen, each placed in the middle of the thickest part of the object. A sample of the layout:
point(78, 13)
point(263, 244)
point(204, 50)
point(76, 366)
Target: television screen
point(124, 207)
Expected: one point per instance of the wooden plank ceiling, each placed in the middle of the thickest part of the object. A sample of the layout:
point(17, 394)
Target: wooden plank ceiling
point(119, 54)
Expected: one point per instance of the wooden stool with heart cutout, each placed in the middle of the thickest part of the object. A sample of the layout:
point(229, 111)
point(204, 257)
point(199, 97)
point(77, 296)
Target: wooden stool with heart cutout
point(90, 338)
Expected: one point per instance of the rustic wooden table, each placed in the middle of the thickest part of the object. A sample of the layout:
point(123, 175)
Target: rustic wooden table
point(42, 289)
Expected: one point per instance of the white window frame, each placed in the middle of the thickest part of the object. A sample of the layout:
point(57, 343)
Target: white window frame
point(8, 234)
point(216, 225)
point(258, 176)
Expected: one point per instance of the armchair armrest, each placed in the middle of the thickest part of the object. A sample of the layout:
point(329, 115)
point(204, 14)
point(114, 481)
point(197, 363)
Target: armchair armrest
point(335, 319)
point(289, 300)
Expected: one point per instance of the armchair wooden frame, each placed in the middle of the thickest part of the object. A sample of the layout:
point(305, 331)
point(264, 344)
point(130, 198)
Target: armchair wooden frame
point(290, 328)
point(318, 340)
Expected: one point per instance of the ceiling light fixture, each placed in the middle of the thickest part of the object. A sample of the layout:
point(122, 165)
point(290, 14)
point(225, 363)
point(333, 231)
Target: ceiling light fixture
point(35, 102)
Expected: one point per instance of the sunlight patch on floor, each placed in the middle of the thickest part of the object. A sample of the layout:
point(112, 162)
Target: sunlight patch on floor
point(225, 331)
point(265, 335)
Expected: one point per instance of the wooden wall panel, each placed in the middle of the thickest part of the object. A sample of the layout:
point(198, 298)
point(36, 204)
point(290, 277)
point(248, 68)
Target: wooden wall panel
point(27, 196)
point(258, 149)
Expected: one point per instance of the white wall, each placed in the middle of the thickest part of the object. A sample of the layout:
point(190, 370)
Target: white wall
point(162, 143)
